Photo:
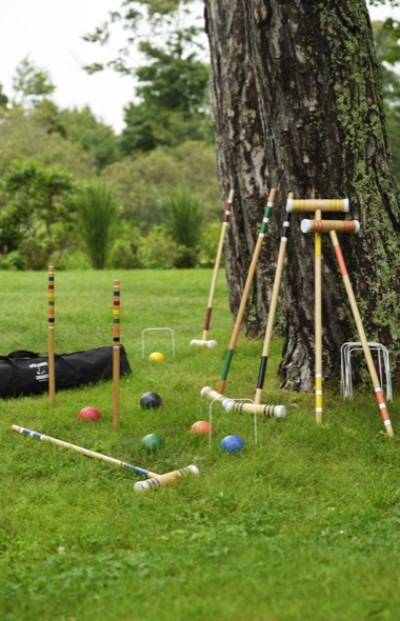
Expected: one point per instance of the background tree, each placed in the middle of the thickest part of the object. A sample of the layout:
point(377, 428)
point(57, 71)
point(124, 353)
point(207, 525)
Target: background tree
point(297, 104)
point(387, 37)
point(170, 104)
point(31, 84)
point(38, 218)
point(3, 98)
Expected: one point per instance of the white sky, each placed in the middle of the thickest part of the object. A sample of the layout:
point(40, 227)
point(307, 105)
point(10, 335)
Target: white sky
point(50, 33)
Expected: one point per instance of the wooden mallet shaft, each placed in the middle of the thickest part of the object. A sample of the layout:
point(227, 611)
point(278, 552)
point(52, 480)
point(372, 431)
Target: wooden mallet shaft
point(272, 310)
point(318, 322)
point(246, 291)
point(364, 342)
point(224, 228)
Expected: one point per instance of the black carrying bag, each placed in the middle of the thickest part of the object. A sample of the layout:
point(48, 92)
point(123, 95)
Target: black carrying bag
point(26, 373)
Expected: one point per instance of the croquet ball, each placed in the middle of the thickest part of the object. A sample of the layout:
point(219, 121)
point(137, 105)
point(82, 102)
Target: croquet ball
point(150, 400)
point(89, 413)
point(156, 356)
point(152, 442)
point(201, 428)
point(233, 444)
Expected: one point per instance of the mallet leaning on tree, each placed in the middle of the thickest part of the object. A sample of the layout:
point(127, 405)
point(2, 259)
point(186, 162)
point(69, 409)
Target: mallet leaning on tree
point(246, 291)
point(204, 342)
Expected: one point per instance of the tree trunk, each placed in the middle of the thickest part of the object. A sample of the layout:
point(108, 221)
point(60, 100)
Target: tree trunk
point(296, 101)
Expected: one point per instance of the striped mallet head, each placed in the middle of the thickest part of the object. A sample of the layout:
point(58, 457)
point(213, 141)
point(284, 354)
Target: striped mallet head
point(277, 411)
point(204, 343)
point(169, 478)
point(340, 205)
point(326, 226)
point(211, 394)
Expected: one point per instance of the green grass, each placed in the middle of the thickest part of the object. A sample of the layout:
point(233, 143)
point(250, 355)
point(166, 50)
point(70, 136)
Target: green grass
point(303, 526)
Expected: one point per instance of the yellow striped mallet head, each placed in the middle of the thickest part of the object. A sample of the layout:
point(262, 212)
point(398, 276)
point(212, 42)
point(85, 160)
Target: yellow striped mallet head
point(169, 478)
point(341, 205)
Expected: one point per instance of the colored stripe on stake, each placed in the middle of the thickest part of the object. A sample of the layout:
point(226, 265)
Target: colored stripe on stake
point(364, 342)
point(116, 351)
point(51, 321)
point(246, 292)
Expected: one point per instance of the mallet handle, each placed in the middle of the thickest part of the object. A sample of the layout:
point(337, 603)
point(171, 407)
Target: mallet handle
point(83, 451)
point(246, 291)
point(272, 311)
point(224, 228)
point(362, 335)
point(318, 322)
point(322, 204)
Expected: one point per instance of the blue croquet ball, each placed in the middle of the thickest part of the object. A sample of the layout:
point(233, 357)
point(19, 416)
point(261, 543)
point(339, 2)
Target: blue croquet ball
point(233, 444)
point(152, 442)
point(150, 400)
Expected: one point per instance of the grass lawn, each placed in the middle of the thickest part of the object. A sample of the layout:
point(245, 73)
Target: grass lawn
point(302, 526)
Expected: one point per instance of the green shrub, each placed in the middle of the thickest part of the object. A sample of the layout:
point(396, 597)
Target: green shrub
point(97, 211)
point(158, 249)
point(124, 253)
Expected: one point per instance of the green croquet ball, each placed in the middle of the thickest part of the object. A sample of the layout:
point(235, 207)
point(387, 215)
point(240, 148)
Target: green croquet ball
point(152, 442)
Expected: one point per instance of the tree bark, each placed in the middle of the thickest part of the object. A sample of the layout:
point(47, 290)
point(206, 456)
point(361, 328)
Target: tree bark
point(296, 102)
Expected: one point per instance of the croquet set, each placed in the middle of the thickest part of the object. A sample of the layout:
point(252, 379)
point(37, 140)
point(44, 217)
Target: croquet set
point(66, 370)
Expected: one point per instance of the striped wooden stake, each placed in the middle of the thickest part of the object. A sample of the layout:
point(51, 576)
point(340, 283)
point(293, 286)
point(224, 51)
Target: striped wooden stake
point(272, 310)
point(157, 480)
point(204, 342)
point(363, 338)
point(116, 351)
point(318, 322)
point(246, 292)
point(51, 321)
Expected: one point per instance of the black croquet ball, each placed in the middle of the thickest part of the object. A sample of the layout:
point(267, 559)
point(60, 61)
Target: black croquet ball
point(150, 400)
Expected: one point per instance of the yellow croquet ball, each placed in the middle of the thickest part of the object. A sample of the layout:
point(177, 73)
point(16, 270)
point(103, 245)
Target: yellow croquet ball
point(156, 356)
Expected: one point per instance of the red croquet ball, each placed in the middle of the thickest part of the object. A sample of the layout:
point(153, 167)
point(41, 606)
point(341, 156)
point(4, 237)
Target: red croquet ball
point(201, 428)
point(89, 413)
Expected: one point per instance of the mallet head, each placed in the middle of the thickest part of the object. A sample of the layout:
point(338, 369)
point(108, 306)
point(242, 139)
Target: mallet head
point(203, 343)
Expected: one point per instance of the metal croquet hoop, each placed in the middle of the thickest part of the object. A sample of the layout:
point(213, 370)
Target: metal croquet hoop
point(346, 383)
point(169, 330)
point(210, 409)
